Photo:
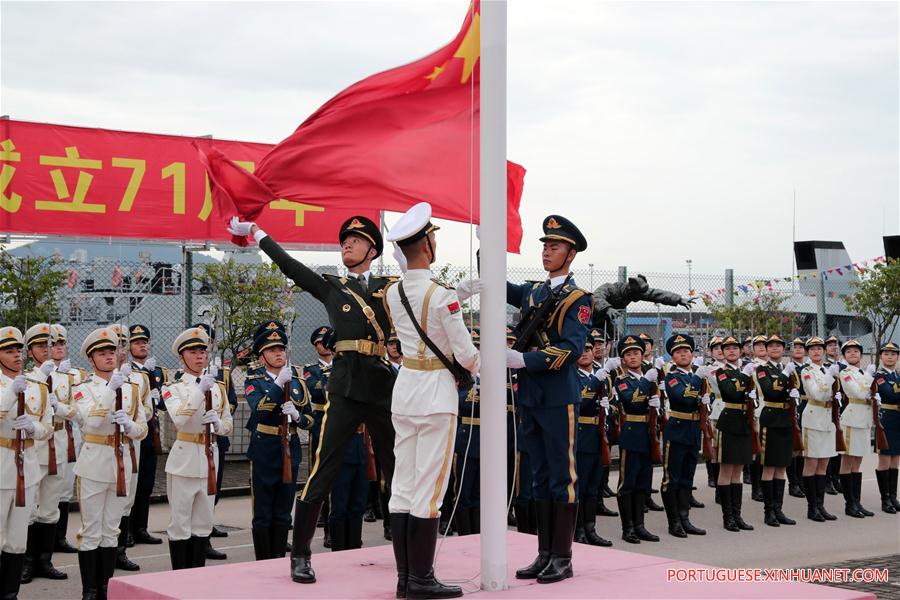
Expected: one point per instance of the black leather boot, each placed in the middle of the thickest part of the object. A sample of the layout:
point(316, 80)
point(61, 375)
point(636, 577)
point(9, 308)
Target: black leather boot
point(579, 524)
point(626, 502)
point(746, 474)
point(87, 566)
point(857, 493)
point(684, 510)
point(262, 542)
point(338, 528)
point(200, 546)
point(43, 559)
point(778, 500)
point(810, 487)
point(769, 504)
point(211, 553)
point(354, 533)
point(737, 493)
point(693, 501)
point(178, 554)
point(670, 503)
point(140, 514)
point(560, 565)
point(421, 541)
point(650, 503)
point(62, 527)
point(603, 511)
point(107, 568)
point(305, 515)
point(544, 514)
point(11, 576)
point(833, 485)
point(755, 481)
point(31, 546)
point(711, 475)
point(122, 561)
point(795, 483)
point(724, 490)
point(399, 526)
point(523, 517)
point(475, 518)
point(640, 499)
point(217, 532)
point(821, 483)
point(278, 536)
point(590, 523)
point(884, 490)
point(892, 482)
point(849, 500)
point(463, 522)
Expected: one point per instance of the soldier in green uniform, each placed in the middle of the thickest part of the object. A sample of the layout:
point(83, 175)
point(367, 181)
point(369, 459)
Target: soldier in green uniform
point(359, 388)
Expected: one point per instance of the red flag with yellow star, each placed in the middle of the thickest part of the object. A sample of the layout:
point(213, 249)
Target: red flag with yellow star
point(400, 137)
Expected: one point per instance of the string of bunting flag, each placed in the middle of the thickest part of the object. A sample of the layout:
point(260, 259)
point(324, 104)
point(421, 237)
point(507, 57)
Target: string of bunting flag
point(760, 284)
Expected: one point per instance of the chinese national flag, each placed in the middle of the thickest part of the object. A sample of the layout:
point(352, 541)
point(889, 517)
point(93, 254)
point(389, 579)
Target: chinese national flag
point(400, 137)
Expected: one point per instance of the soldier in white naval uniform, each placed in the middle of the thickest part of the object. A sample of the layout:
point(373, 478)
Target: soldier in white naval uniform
point(64, 379)
point(424, 404)
point(36, 424)
point(96, 468)
point(818, 429)
point(51, 458)
point(187, 467)
point(856, 421)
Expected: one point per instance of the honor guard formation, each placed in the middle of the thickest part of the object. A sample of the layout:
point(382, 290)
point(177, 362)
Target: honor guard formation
point(391, 408)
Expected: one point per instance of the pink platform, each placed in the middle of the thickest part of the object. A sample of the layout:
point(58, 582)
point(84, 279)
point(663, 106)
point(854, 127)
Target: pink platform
point(369, 573)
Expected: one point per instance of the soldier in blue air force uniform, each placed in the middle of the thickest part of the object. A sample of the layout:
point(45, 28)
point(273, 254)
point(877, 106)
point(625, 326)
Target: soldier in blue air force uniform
point(273, 392)
point(549, 393)
point(468, 457)
point(887, 383)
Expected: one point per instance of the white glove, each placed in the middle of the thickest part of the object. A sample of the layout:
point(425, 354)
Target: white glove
point(65, 366)
point(240, 228)
point(833, 370)
point(601, 374)
point(291, 411)
point(206, 383)
point(788, 370)
point(116, 380)
point(705, 399)
point(653, 402)
point(54, 402)
point(795, 394)
point(211, 416)
point(514, 359)
point(19, 384)
point(150, 364)
point(125, 370)
point(698, 361)
point(870, 370)
point(752, 394)
point(25, 423)
point(468, 288)
point(878, 398)
point(48, 367)
point(284, 375)
point(400, 258)
point(213, 369)
point(651, 375)
point(659, 363)
point(612, 364)
point(748, 369)
point(838, 396)
point(604, 402)
point(154, 397)
point(703, 372)
point(120, 417)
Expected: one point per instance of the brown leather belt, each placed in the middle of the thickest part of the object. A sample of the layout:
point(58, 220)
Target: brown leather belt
point(365, 347)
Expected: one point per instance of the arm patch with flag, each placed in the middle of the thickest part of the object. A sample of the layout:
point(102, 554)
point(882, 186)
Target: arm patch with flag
point(453, 307)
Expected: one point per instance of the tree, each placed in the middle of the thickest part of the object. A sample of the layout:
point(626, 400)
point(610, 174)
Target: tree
point(28, 289)
point(761, 313)
point(244, 295)
point(876, 296)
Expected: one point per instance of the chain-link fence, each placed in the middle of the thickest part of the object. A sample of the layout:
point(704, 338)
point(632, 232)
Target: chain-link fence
point(154, 294)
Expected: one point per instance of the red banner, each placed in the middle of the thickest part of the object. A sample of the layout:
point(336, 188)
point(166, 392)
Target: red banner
point(75, 181)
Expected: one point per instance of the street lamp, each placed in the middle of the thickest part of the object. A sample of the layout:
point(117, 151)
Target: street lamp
point(690, 287)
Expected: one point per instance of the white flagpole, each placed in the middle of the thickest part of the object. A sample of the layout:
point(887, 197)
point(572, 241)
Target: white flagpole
point(493, 296)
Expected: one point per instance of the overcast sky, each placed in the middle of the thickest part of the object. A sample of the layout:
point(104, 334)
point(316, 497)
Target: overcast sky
point(666, 131)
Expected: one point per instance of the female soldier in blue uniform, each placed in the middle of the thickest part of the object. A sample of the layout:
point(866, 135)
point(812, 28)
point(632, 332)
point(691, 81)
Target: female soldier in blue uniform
point(887, 381)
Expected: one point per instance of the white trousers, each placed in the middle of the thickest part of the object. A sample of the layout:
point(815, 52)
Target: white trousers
point(132, 488)
point(423, 450)
point(68, 491)
point(191, 507)
point(14, 519)
point(101, 511)
point(50, 489)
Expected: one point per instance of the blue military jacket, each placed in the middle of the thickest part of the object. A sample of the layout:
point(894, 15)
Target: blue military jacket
point(265, 398)
point(316, 376)
point(683, 391)
point(633, 393)
point(588, 433)
point(888, 385)
point(469, 421)
point(549, 377)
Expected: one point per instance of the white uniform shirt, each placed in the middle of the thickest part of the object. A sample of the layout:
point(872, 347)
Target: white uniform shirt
point(817, 386)
point(35, 405)
point(421, 393)
point(855, 386)
point(186, 405)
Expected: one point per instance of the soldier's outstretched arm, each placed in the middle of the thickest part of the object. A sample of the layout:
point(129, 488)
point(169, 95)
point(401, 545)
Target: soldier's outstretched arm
point(658, 296)
point(515, 293)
